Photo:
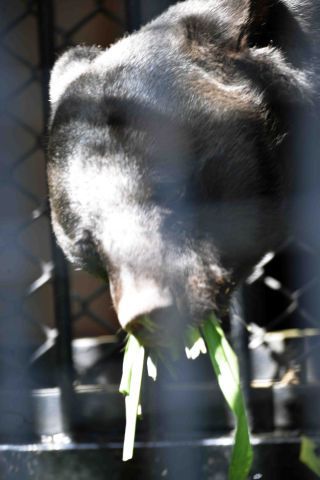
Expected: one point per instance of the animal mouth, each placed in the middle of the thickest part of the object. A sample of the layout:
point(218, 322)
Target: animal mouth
point(159, 332)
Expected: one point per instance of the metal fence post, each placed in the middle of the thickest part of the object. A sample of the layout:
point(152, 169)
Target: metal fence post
point(45, 16)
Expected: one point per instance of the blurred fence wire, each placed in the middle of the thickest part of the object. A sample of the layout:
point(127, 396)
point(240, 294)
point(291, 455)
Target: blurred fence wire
point(43, 304)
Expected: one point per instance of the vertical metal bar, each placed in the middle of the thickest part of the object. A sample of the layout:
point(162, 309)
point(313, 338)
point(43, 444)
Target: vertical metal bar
point(133, 14)
point(240, 341)
point(45, 13)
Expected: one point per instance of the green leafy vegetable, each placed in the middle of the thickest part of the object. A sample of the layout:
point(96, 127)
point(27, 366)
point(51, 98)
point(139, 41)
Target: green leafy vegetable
point(225, 365)
point(308, 455)
point(152, 368)
point(194, 344)
point(130, 386)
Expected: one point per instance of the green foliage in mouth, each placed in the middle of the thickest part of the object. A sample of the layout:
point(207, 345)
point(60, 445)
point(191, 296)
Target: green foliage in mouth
point(208, 338)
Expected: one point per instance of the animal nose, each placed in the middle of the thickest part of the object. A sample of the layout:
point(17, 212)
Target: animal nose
point(141, 298)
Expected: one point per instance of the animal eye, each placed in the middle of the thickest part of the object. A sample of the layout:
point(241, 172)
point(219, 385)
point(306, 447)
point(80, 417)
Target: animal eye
point(85, 245)
point(87, 255)
point(116, 119)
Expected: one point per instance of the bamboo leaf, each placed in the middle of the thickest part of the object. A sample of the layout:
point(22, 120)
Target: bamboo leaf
point(224, 362)
point(130, 386)
point(152, 368)
point(308, 455)
point(194, 343)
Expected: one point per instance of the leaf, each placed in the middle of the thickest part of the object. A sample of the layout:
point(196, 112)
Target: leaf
point(308, 455)
point(194, 343)
point(152, 368)
point(226, 367)
point(225, 364)
point(130, 386)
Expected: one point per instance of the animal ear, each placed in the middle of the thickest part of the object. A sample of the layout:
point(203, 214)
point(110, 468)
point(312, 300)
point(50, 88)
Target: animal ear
point(68, 67)
point(241, 23)
point(255, 27)
point(270, 22)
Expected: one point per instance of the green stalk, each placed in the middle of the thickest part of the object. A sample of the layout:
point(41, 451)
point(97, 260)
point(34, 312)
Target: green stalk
point(130, 386)
point(225, 365)
point(308, 454)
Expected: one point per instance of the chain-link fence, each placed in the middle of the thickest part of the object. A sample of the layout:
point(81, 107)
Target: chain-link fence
point(58, 328)
point(36, 299)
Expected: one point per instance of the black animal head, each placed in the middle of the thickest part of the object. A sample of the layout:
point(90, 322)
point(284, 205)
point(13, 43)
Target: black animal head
point(168, 154)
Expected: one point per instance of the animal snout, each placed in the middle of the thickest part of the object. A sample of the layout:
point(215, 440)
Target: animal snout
point(143, 306)
point(156, 328)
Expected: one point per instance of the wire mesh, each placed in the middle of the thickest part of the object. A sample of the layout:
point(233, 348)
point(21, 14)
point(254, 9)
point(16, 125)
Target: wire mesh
point(283, 314)
point(281, 309)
